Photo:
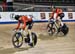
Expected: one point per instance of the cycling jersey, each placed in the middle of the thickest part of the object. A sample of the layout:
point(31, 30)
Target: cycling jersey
point(24, 20)
point(56, 13)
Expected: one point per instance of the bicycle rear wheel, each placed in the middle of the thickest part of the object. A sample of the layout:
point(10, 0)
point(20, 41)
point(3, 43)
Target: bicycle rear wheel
point(34, 38)
point(65, 29)
point(17, 40)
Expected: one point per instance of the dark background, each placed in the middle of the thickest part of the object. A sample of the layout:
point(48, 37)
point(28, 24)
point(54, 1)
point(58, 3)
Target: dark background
point(49, 2)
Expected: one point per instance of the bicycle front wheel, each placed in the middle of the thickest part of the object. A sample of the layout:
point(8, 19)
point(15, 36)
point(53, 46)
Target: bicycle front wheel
point(17, 40)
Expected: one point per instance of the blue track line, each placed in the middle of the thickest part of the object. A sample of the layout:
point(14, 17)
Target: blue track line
point(39, 21)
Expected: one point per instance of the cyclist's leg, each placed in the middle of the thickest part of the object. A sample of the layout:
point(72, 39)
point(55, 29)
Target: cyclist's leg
point(28, 30)
point(52, 24)
point(30, 24)
point(57, 24)
point(30, 35)
point(61, 16)
point(27, 27)
point(25, 32)
point(60, 23)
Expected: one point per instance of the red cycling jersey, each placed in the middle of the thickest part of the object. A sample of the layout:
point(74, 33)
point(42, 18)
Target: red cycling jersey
point(58, 11)
point(23, 19)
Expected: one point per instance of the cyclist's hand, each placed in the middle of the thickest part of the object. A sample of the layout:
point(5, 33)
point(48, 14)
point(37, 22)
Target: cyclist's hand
point(21, 30)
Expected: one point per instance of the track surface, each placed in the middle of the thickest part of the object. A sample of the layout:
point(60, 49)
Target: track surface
point(46, 44)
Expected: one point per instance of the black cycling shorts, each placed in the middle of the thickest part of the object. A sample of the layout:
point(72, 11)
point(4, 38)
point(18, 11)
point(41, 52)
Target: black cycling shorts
point(29, 24)
point(61, 15)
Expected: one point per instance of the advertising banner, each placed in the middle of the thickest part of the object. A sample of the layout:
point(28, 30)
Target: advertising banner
point(37, 16)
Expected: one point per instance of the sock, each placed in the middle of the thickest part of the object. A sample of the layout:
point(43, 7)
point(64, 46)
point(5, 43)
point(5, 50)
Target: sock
point(30, 39)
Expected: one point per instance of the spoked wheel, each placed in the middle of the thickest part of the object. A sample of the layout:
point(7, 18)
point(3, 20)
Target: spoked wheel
point(17, 40)
point(53, 30)
point(34, 38)
point(50, 29)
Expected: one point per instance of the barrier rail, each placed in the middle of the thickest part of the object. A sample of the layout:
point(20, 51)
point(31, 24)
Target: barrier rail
point(36, 8)
point(8, 17)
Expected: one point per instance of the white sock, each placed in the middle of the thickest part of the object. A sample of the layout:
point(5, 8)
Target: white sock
point(30, 39)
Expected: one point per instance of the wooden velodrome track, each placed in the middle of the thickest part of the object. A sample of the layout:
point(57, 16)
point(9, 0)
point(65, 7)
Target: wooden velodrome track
point(46, 44)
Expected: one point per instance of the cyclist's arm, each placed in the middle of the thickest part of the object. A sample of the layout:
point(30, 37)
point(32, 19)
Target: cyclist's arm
point(18, 25)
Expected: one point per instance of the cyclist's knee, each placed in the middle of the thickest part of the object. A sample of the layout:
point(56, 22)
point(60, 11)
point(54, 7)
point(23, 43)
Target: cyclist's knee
point(29, 31)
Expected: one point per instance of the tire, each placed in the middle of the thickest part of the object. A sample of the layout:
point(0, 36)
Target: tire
point(34, 38)
point(51, 30)
point(65, 29)
point(16, 43)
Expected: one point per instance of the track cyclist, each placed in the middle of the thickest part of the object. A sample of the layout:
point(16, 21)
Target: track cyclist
point(27, 23)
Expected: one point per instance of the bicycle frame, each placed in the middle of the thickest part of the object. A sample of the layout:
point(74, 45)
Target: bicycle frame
point(56, 26)
point(20, 31)
point(19, 37)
